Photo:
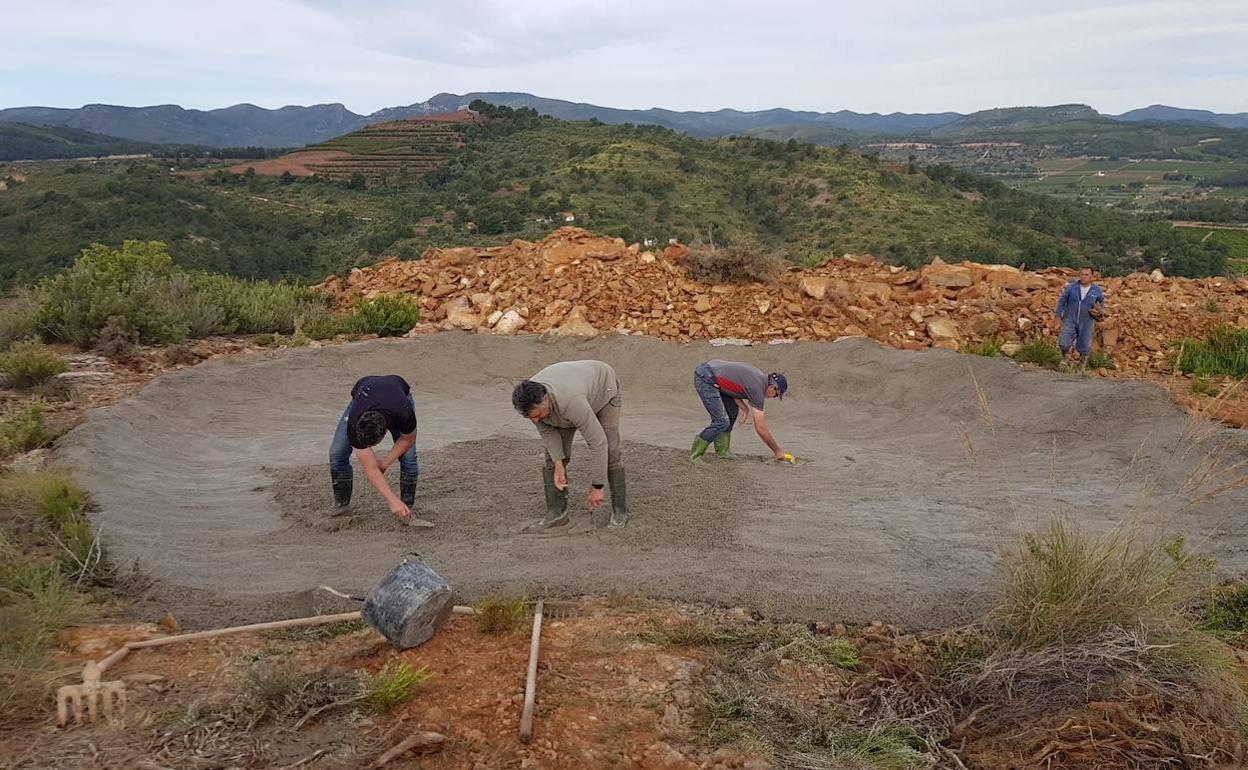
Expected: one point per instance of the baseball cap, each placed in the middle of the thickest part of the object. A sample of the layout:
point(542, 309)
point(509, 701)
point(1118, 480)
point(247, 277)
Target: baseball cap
point(780, 381)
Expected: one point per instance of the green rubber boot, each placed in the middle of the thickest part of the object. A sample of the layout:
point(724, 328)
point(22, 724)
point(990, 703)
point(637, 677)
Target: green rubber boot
point(556, 502)
point(697, 450)
point(723, 446)
point(619, 497)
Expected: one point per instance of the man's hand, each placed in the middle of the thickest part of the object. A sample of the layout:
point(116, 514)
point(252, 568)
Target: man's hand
point(399, 509)
point(784, 457)
point(561, 476)
point(595, 498)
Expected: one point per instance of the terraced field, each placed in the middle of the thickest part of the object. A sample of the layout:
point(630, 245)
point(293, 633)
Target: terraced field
point(378, 154)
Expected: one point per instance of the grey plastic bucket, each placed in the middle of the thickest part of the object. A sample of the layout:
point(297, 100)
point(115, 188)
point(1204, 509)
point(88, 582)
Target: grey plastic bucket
point(409, 605)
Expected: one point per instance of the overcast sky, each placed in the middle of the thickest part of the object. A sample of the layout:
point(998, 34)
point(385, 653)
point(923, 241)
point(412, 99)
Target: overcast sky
point(867, 55)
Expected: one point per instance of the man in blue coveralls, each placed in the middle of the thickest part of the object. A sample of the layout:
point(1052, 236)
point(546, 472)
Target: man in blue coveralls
point(1080, 305)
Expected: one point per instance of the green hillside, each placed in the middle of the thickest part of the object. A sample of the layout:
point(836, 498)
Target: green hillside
point(19, 141)
point(517, 172)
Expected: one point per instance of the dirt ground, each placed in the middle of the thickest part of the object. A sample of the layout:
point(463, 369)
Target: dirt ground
point(606, 698)
point(208, 478)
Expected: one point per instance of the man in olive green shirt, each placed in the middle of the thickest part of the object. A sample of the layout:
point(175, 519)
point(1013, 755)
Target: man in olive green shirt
point(560, 400)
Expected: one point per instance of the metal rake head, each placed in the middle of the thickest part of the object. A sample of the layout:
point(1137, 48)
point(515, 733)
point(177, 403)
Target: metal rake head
point(88, 699)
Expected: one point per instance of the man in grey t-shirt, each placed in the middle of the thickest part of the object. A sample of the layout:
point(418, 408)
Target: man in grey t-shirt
point(726, 389)
point(560, 400)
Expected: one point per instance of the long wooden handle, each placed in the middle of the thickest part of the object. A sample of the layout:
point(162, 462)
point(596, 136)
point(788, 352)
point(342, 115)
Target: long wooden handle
point(530, 684)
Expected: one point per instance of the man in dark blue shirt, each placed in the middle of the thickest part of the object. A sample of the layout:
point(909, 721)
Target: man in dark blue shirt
point(379, 405)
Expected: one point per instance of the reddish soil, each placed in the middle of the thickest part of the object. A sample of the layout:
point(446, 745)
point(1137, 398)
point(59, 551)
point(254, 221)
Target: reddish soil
point(296, 163)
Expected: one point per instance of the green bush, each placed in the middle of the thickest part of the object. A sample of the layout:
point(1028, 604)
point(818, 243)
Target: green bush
point(1099, 359)
point(31, 363)
point(117, 339)
point(1039, 351)
point(325, 325)
point(1223, 353)
point(990, 348)
point(24, 430)
point(1225, 614)
point(136, 282)
point(394, 684)
point(387, 316)
point(255, 307)
point(1205, 387)
point(19, 320)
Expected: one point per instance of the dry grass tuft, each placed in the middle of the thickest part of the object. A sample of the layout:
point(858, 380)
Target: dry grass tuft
point(740, 263)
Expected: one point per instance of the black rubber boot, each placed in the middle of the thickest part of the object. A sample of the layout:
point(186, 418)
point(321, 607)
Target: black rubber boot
point(619, 497)
point(556, 502)
point(342, 483)
point(407, 487)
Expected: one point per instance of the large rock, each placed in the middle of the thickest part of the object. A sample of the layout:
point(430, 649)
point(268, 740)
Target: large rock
point(984, 324)
point(880, 291)
point(943, 330)
point(576, 325)
point(945, 276)
point(1008, 277)
point(702, 304)
point(815, 287)
point(510, 323)
point(460, 314)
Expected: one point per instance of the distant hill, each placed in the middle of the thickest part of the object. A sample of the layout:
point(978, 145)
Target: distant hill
point(1009, 119)
point(295, 126)
point(1161, 112)
point(20, 141)
point(518, 175)
point(249, 125)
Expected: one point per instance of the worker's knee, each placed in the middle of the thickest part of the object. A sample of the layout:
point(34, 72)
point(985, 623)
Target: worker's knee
point(721, 424)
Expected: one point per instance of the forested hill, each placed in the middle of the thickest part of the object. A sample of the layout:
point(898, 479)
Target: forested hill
point(521, 175)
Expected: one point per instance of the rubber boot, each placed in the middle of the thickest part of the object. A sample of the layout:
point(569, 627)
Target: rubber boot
point(619, 497)
point(407, 487)
point(556, 502)
point(699, 448)
point(342, 484)
point(723, 446)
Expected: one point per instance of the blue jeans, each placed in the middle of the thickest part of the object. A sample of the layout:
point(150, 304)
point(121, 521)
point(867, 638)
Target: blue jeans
point(1076, 333)
point(722, 408)
point(340, 448)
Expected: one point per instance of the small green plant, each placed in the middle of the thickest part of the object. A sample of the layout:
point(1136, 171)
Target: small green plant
point(24, 430)
point(387, 315)
point(1211, 305)
point(989, 348)
point(394, 684)
point(1205, 386)
point(1225, 614)
point(19, 320)
point(499, 616)
point(1223, 353)
point(816, 650)
point(1039, 351)
point(31, 363)
point(1099, 359)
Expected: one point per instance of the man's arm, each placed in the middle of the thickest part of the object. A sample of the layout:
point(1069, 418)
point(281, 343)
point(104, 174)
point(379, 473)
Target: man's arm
point(760, 426)
point(744, 409)
point(368, 461)
point(398, 450)
point(583, 417)
point(1060, 310)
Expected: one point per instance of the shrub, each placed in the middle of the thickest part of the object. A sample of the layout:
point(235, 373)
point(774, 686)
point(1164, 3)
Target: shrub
point(1223, 353)
point(1099, 359)
point(394, 684)
point(325, 325)
point(253, 307)
point(1205, 387)
point(1225, 614)
point(31, 363)
point(1039, 351)
point(740, 263)
point(135, 282)
point(24, 430)
point(117, 339)
point(1066, 586)
point(387, 316)
point(499, 616)
point(990, 348)
point(19, 320)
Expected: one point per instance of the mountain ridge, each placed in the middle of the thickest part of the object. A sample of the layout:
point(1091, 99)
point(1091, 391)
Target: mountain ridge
point(246, 124)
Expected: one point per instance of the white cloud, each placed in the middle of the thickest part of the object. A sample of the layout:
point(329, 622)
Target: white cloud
point(887, 55)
